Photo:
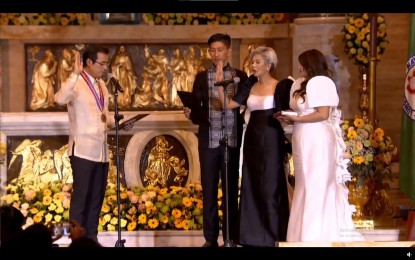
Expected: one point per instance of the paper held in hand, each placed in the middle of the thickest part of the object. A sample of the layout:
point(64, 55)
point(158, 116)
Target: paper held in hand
point(131, 120)
point(289, 113)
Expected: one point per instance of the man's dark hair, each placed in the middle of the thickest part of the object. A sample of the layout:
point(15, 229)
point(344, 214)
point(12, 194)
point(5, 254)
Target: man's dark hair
point(11, 219)
point(36, 235)
point(91, 52)
point(220, 37)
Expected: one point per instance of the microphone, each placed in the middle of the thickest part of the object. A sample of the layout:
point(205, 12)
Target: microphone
point(115, 82)
point(225, 83)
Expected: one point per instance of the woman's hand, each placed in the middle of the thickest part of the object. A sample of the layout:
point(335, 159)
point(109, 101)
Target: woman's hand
point(286, 119)
point(128, 127)
point(186, 112)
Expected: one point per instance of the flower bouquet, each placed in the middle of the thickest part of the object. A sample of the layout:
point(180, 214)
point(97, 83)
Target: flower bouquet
point(141, 208)
point(39, 203)
point(356, 37)
point(153, 208)
point(370, 152)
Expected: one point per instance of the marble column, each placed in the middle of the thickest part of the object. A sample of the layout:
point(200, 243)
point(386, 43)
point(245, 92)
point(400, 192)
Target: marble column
point(324, 33)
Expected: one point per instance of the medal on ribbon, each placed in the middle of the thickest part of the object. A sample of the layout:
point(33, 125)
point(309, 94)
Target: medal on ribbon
point(98, 99)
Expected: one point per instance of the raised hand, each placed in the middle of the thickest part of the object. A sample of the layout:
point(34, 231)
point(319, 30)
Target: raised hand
point(186, 112)
point(78, 66)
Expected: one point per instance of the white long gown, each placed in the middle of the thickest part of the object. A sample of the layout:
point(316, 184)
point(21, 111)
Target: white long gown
point(320, 211)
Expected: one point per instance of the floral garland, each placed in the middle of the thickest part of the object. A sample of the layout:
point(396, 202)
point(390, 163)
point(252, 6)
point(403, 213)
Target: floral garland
point(142, 208)
point(147, 18)
point(213, 18)
point(44, 18)
point(356, 37)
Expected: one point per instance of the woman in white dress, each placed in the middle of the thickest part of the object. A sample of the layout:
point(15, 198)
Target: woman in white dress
point(320, 210)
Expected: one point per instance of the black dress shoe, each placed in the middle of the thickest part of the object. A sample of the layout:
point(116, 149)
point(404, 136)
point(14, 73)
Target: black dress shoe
point(210, 244)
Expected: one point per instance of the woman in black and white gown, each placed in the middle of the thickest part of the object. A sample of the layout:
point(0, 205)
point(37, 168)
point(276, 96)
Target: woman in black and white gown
point(263, 210)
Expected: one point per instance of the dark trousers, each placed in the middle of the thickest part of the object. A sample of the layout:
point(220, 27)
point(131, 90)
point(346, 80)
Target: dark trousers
point(212, 165)
point(89, 184)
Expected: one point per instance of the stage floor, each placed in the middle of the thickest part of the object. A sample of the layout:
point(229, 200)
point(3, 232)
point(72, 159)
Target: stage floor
point(374, 237)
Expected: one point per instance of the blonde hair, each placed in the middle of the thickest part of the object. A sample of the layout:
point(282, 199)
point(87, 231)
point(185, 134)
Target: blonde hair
point(268, 54)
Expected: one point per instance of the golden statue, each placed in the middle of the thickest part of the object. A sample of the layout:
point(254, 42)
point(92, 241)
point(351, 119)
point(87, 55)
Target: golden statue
point(143, 95)
point(205, 59)
point(42, 167)
point(178, 70)
point(157, 67)
point(122, 69)
point(46, 171)
point(43, 80)
point(247, 61)
point(157, 171)
point(66, 64)
point(160, 165)
point(31, 153)
point(193, 67)
point(63, 164)
point(178, 169)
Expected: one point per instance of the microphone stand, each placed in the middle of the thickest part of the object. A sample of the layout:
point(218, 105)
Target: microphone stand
point(120, 242)
point(228, 242)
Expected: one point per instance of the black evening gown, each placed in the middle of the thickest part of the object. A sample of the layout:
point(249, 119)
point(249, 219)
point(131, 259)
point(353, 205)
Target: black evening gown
point(264, 209)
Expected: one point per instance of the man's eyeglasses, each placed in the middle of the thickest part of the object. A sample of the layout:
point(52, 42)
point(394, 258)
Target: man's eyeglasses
point(103, 63)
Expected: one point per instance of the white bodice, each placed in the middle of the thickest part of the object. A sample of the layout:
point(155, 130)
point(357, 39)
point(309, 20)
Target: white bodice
point(255, 102)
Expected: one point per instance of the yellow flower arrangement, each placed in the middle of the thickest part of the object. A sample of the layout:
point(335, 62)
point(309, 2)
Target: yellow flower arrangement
point(213, 18)
point(3, 150)
point(142, 208)
point(44, 18)
point(153, 208)
point(370, 152)
point(356, 37)
point(39, 203)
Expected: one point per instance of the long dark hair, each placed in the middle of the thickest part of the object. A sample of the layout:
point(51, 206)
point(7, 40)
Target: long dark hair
point(314, 64)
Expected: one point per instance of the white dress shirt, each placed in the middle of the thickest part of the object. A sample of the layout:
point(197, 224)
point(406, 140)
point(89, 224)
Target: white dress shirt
point(86, 129)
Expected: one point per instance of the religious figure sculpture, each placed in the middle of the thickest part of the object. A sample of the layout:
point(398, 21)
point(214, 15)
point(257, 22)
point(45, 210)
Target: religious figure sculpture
point(193, 67)
point(178, 70)
point(43, 80)
point(143, 94)
point(66, 64)
point(161, 165)
point(46, 171)
point(31, 153)
point(247, 61)
point(63, 164)
point(123, 70)
point(205, 59)
point(157, 66)
point(158, 170)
